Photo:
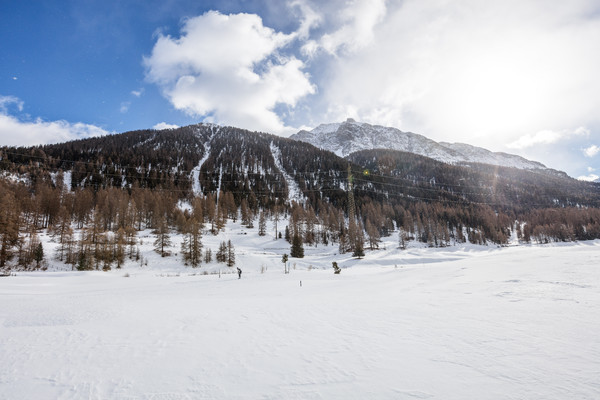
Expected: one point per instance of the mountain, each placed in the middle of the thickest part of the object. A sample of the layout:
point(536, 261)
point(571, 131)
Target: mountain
point(206, 159)
point(350, 136)
point(94, 194)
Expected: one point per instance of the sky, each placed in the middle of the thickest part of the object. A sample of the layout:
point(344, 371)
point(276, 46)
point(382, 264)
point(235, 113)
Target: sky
point(518, 76)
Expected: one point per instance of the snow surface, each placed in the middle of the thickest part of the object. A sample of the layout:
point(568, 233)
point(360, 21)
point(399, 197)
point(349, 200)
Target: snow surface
point(470, 322)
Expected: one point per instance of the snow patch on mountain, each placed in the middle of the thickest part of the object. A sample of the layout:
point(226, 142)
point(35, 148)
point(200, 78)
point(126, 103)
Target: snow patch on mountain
point(14, 177)
point(195, 175)
point(350, 136)
point(294, 192)
point(196, 187)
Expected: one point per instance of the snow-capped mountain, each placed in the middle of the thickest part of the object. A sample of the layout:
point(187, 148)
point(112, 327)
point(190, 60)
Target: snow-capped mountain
point(351, 136)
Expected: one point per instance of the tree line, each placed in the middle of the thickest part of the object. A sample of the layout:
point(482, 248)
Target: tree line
point(94, 195)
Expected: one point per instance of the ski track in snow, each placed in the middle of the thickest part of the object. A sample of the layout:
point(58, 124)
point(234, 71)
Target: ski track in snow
point(294, 192)
point(513, 323)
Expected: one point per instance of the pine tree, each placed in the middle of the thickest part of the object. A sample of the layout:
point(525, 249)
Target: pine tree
point(38, 255)
point(221, 255)
point(297, 250)
point(284, 260)
point(262, 224)
point(82, 262)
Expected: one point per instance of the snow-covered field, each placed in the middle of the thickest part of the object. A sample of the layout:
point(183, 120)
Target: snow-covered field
point(455, 323)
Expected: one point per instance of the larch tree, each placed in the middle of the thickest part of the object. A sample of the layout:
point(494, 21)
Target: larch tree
point(191, 247)
point(163, 240)
point(9, 226)
point(230, 254)
point(262, 224)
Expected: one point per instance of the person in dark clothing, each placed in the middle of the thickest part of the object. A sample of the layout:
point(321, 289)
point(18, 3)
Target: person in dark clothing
point(239, 273)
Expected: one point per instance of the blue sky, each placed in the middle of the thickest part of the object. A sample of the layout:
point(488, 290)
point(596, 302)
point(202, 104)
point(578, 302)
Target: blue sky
point(516, 76)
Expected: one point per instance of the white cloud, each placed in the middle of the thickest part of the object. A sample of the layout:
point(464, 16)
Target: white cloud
point(589, 178)
point(546, 137)
point(137, 93)
point(6, 101)
point(164, 125)
point(229, 69)
point(308, 20)
point(542, 137)
point(14, 132)
point(591, 151)
point(358, 20)
point(482, 72)
point(124, 107)
point(492, 74)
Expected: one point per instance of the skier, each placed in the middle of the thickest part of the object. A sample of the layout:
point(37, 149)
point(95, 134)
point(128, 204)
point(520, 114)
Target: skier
point(239, 273)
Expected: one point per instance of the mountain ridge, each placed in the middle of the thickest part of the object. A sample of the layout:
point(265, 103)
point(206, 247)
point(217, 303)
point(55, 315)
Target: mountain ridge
point(347, 137)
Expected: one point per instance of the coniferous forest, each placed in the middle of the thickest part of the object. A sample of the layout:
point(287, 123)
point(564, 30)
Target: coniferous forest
point(94, 196)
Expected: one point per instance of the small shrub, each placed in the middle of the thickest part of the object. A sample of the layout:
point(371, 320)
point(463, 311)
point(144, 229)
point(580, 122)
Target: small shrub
point(336, 269)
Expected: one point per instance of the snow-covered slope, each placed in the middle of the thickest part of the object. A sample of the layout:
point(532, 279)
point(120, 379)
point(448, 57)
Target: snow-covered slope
point(350, 136)
point(510, 323)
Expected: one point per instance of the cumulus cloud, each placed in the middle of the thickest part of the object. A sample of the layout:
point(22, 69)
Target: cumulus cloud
point(15, 132)
point(481, 72)
point(228, 69)
point(591, 151)
point(164, 125)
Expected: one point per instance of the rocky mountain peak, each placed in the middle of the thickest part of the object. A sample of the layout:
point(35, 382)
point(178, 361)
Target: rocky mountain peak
point(350, 136)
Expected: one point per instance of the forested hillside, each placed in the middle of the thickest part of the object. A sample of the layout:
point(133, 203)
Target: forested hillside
point(94, 195)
